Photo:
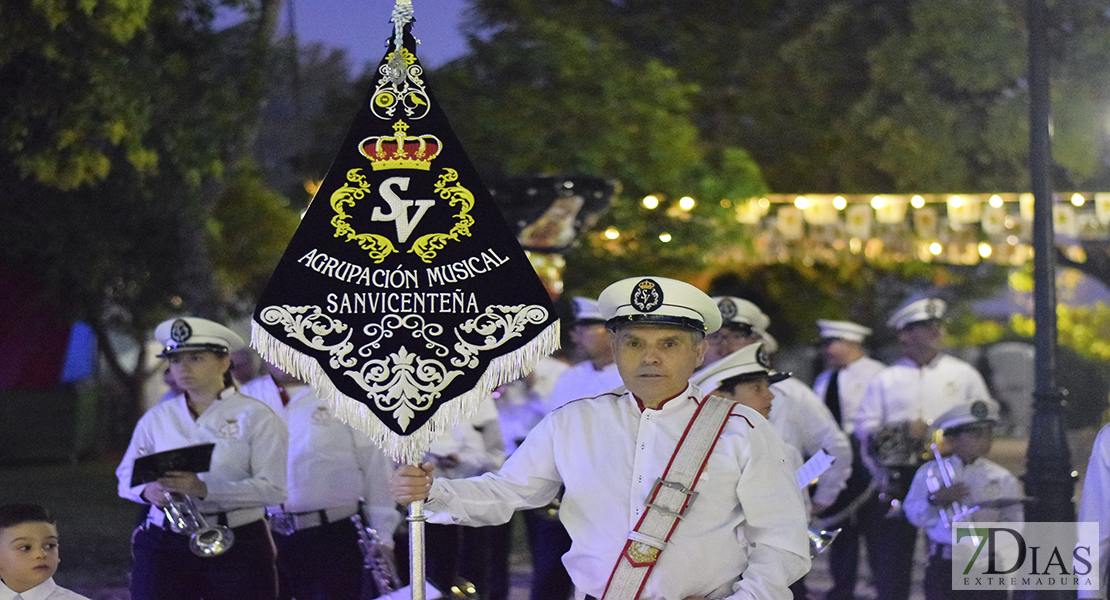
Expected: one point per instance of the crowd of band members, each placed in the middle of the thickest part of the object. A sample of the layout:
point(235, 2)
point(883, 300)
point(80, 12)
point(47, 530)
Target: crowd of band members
point(288, 470)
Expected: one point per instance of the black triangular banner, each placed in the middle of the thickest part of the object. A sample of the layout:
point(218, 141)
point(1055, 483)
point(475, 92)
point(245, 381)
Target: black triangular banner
point(404, 297)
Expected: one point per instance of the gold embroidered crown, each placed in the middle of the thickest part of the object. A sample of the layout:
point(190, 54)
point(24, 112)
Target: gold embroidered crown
point(400, 151)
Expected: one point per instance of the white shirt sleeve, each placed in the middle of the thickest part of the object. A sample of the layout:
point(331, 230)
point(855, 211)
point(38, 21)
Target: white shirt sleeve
point(868, 420)
point(821, 431)
point(775, 521)
point(1093, 506)
point(918, 509)
point(381, 510)
point(142, 440)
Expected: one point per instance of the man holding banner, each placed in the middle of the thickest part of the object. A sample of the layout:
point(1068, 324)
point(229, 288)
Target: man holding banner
point(658, 466)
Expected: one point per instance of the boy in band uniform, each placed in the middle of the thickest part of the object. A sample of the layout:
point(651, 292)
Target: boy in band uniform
point(746, 377)
point(798, 415)
point(978, 484)
point(609, 451)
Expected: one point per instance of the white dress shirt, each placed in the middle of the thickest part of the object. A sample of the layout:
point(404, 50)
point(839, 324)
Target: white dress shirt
point(47, 590)
point(986, 480)
point(851, 384)
point(248, 462)
point(1094, 506)
point(804, 422)
point(906, 392)
point(331, 464)
point(608, 451)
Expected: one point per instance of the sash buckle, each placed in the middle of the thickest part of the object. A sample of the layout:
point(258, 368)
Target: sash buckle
point(690, 494)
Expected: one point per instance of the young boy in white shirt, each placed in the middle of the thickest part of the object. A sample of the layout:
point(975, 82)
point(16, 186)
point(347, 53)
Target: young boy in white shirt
point(985, 489)
point(29, 554)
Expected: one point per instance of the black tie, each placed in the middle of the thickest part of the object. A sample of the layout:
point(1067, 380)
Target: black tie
point(832, 397)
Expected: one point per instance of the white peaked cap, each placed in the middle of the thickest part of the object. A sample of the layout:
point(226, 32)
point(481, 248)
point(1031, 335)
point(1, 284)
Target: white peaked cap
point(842, 330)
point(770, 344)
point(979, 412)
point(738, 310)
point(751, 360)
point(927, 309)
point(192, 334)
point(586, 309)
point(658, 301)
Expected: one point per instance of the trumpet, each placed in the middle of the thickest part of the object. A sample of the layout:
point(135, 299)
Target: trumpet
point(958, 510)
point(377, 558)
point(204, 540)
point(819, 539)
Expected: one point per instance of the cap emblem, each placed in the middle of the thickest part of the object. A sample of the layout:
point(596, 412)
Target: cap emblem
point(180, 331)
point(979, 409)
point(647, 296)
point(932, 308)
point(728, 309)
point(762, 358)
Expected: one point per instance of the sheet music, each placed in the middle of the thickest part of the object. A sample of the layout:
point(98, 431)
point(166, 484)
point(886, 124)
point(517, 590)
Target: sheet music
point(814, 467)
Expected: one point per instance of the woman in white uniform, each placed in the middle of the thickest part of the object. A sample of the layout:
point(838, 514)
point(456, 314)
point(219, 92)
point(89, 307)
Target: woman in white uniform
point(246, 474)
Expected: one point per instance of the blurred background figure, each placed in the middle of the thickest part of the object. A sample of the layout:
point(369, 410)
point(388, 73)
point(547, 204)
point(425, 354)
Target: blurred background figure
point(457, 555)
point(856, 511)
point(338, 483)
point(894, 424)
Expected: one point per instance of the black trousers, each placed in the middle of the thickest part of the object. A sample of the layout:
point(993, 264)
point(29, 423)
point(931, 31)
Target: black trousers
point(321, 563)
point(938, 584)
point(844, 553)
point(548, 541)
point(894, 541)
point(164, 568)
point(484, 559)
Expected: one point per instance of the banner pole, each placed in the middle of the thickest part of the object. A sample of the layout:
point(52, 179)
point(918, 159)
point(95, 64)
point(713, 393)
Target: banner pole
point(416, 549)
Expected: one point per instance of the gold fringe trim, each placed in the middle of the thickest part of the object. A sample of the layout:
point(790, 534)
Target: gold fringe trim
point(410, 448)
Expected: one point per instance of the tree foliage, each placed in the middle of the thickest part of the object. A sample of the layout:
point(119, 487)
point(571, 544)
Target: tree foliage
point(847, 96)
point(120, 123)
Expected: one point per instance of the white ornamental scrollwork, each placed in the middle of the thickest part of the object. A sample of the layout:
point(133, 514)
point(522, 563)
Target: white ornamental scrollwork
point(296, 319)
point(403, 383)
point(420, 330)
point(510, 321)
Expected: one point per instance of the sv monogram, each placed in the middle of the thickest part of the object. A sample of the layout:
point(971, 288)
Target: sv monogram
point(399, 207)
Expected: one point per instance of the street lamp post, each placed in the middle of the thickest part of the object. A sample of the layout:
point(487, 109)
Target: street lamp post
point(1048, 478)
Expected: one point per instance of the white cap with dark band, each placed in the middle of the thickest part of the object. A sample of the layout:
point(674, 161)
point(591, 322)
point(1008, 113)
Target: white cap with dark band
point(746, 364)
point(194, 334)
point(658, 301)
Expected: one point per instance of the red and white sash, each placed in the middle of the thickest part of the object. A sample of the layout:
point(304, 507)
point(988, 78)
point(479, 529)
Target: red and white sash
point(670, 498)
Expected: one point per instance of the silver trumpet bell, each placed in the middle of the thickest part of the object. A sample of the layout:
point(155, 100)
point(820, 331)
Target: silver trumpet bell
point(819, 539)
point(204, 540)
